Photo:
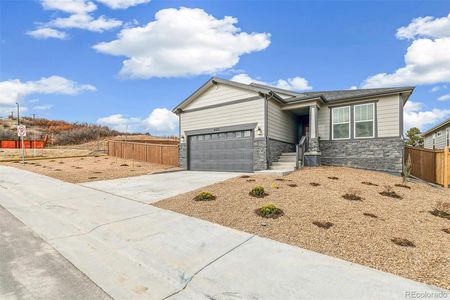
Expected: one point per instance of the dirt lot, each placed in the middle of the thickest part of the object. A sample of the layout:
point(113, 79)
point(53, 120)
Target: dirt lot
point(8, 154)
point(90, 168)
point(362, 231)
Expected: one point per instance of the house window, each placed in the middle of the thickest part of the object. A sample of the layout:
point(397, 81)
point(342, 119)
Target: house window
point(364, 125)
point(434, 141)
point(341, 123)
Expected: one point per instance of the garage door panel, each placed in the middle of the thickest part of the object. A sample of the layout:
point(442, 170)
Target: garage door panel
point(226, 151)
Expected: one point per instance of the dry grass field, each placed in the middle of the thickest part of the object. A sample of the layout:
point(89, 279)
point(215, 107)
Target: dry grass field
point(357, 215)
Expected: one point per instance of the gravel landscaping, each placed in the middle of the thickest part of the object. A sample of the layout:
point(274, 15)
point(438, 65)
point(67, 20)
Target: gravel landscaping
point(90, 168)
point(404, 236)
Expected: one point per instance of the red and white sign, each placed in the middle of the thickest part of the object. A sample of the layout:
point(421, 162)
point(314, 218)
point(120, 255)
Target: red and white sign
point(21, 130)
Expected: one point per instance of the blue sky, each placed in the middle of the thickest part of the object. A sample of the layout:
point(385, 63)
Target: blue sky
point(60, 59)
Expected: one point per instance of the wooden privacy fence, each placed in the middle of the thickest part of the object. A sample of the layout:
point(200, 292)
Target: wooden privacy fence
point(430, 165)
point(153, 153)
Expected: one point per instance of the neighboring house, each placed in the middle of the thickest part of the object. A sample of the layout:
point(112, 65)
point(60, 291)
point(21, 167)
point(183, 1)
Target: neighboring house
point(229, 126)
point(438, 137)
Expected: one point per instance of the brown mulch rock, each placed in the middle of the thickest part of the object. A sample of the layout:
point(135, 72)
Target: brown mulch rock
point(391, 194)
point(369, 183)
point(440, 214)
point(403, 242)
point(356, 237)
point(314, 184)
point(402, 186)
point(333, 177)
point(323, 224)
point(292, 184)
point(352, 197)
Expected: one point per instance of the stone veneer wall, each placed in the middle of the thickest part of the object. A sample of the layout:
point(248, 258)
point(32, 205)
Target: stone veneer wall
point(382, 154)
point(259, 154)
point(276, 148)
point(182, 155)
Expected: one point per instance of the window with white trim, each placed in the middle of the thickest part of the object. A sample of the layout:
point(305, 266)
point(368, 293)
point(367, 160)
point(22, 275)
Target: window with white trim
point(434, 141)
point(364, 120)
point(340, 122)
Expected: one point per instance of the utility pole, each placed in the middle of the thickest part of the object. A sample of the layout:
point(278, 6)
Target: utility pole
point(18, 123)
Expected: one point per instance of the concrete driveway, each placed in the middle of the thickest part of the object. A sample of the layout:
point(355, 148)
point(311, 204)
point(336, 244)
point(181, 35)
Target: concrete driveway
point(136, 251)
point(152, 188)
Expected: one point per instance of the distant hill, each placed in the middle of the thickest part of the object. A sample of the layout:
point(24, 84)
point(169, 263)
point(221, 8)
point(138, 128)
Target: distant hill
point(60, 132)
point(66, 133)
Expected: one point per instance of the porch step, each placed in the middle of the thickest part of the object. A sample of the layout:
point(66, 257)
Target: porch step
point(284, 163)
point(287, 168)
point(288, 158)
point(288, 154)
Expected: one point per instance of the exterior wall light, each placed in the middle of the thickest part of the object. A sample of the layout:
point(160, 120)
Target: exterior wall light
point(182, 139)
point(258, 131)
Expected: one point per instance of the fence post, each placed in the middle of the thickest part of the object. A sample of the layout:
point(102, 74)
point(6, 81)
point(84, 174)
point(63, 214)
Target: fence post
point(446, 166)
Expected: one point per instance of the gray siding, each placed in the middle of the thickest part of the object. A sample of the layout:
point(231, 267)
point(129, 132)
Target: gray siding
point(227, 115)
point(441, 141)
point(387, 118)
point(282, 124)
point(220, 93)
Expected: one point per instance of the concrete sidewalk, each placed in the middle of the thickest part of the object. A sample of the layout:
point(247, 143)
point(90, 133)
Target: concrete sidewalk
point(32, 269)
point(137, 251)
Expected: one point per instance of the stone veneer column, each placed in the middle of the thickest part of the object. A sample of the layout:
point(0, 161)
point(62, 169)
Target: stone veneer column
point(312, 156)
point(182, 155)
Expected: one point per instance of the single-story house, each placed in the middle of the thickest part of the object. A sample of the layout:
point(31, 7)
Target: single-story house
point(230, 126)
point(438, 137)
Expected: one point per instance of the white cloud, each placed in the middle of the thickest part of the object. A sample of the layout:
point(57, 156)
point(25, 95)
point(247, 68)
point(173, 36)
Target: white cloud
point(46, 33)
point(427, 59)
point(293, 84)
point(12, 91)
point(353, 87)
point(426, 62)
point(438, 88)
point(160, 121)
point(246, 79)
point(85, 21)
point(182, 42)
point(43, 107)
point(414, 116)
point(7, 110)
point(121, 123)
point(444, 97)
point(80, 17)
point(69, 6)
point(122, 4)
point(425, 27)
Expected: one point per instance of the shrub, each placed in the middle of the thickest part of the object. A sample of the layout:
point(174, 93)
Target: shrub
point(85, 134)
point(442, 210)
point(389, 192)
point(269, 211)
point(352, 197)
point(204, 196)
point(8, 135)
point(275, 186)
point(257, 191)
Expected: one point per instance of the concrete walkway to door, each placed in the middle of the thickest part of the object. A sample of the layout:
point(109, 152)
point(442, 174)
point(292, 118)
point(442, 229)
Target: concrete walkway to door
point(136, 251)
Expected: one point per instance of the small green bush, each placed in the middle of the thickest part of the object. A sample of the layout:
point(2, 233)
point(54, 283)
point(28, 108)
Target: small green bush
point(204, 196)
point(257, 191)
point(269, 211)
